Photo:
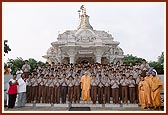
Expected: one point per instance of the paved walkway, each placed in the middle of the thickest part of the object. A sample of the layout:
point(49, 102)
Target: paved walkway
point(65, 107)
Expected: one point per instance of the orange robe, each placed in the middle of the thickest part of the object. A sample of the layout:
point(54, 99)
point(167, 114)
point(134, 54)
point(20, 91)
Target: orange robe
point(85, 86)
point(144, 90)
point(156, 100)
point(149, 81)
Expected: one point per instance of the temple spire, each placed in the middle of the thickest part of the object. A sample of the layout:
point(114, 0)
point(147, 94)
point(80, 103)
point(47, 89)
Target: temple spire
point(84, 22)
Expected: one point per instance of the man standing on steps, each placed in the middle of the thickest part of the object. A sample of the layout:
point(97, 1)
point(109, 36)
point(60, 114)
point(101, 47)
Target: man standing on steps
point(85, 86)
point(77, 89)
point(21, 91)
point(26, 69)
point(156, 86)
point(100, 89)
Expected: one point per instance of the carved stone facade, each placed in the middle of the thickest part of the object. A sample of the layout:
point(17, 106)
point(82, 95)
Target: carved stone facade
point(84, 45)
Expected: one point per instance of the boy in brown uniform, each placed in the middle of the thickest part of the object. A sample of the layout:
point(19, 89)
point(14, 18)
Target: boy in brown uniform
point(124, 87)
point(40, 87)
point(34, 87)
point(29, 89)
point(70, 84)
point(63, 88)
point(136, 88)
point(45, 90)
point(107, 89)
point(94, 83)
point(115, 89)
point(76, 88)
point(131, 89)
point(51, 89)
point(57, 89)
point(100, 89)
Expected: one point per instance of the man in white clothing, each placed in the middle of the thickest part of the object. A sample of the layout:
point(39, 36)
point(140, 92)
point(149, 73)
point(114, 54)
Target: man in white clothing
point(21, 91)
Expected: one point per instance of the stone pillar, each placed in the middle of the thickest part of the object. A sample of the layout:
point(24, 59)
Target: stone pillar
point(72, 58)
point(98, 53)
point(71, 52)
point(98, 58)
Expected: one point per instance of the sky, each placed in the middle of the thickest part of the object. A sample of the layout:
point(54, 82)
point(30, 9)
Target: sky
point(31, 27)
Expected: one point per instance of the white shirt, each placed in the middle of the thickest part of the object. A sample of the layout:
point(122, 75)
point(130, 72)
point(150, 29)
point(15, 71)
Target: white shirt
point(145, 67)
point(131, 83)
point(57, 82)
point(114, 84)
point(28, 82)
point(94, 82)
point(12, 80)
point(21, 85)
point(64, 83)
point(76, 82)
point(124, 82)
point(70, 83)
point(107, 82)
point(34, 82)
point(19, 73)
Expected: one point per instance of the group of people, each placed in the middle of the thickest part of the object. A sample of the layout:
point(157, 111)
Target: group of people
point(149, 91)
point(52, 83)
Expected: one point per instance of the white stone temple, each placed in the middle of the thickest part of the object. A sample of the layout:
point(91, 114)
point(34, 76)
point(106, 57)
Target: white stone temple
point(84, 45)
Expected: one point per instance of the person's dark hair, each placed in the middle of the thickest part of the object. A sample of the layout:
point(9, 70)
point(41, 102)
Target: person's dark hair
point(42, 75)
point(56, 70)
point(94, 75)
point(70, 76)
point(76, 74)
point(35, 73)
point(106, 75)
point(143, 60)
point(123, 75)
point(57, 75)
point(131, 76)
point(22, 75)
point(52, 75)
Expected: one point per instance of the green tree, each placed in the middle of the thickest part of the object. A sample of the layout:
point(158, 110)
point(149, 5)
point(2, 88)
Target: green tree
point(15, 64)
point(159, 65)
point(32, 63)
point(156, 65)
point(161, 58)
point(131, 59)
point(41, 63)
point(19, 62)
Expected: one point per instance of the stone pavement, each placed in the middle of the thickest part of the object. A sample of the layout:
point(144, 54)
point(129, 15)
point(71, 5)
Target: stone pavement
point(65, 107)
